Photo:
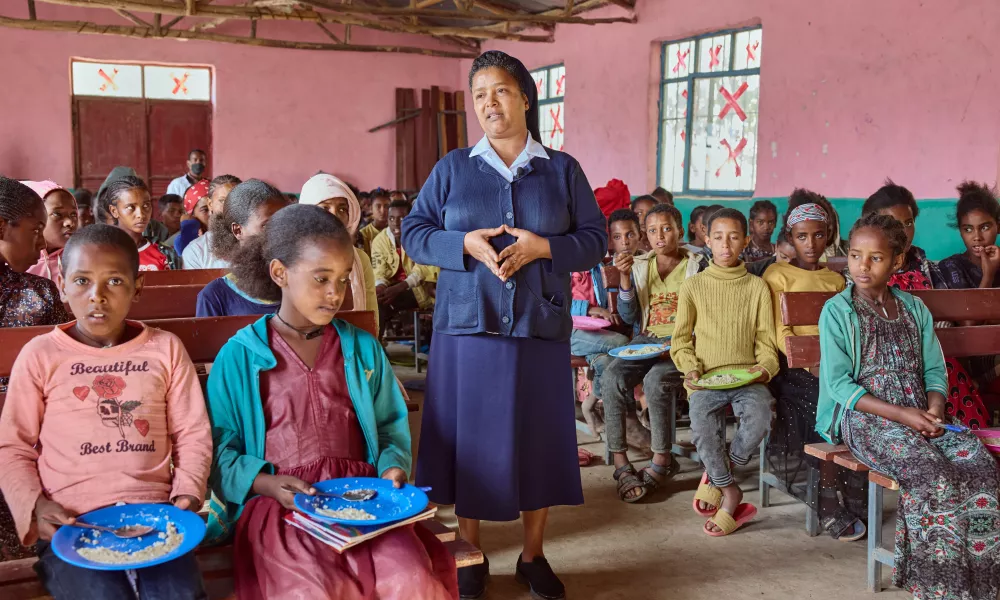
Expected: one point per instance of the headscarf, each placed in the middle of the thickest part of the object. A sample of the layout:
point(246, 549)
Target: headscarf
point(43, 188)
point(613, 196)
point(322, 187)
point(195, 193)
point(806, 212)
point(496, 58)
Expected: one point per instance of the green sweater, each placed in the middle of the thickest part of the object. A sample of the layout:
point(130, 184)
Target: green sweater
point(840, 358)
point(730, 313)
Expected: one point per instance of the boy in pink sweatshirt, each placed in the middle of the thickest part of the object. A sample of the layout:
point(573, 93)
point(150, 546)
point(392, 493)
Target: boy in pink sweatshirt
point(97, 413)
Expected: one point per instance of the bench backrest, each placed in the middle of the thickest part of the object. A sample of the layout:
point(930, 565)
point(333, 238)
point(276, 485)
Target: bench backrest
point(182, 277)
point(166, 302)
point(804, 308)
point(837, 264)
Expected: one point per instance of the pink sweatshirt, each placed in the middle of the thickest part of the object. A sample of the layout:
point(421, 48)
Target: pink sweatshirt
point(47, 265)
point(90, 427)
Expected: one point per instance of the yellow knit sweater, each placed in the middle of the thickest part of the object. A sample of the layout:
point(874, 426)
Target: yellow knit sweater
point(730, 313)
point(786, 277)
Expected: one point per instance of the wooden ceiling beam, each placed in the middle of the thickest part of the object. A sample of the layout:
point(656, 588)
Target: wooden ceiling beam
point(329, 33)
point(219, 13)
point(31, 10)
point(130, 17)
point(172, 22)
point(87, 28)
point(550, 16)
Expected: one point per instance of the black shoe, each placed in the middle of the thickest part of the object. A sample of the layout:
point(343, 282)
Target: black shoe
point(538, 576)
point(472, 580)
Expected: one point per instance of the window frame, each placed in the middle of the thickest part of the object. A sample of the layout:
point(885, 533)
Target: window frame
point(548, 101)
point(691, 79)
point(142, 79)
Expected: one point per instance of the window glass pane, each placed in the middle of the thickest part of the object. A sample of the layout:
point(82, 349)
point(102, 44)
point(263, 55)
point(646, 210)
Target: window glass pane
point(105, 79)
point(178, 83)
point(679, 60)
point(557, 82)
point(724, 143)
point(673, 135)
point(746, 50)
point(713, 54)
point(541, 83)
point(551, 118)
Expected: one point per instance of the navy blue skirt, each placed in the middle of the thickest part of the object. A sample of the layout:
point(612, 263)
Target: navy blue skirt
point(498, 434)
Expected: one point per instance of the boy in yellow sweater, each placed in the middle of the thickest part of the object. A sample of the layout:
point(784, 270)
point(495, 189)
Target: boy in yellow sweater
point(730, 313)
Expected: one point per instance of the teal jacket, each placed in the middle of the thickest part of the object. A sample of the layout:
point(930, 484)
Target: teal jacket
point(238, 427)
point(840, 364)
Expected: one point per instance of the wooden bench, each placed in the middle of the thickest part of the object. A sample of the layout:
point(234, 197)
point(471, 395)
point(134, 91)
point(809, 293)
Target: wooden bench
point(203, 338)
point(804, 308)
point(182, 277)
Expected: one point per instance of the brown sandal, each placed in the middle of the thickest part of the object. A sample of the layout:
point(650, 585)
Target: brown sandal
point(628, 480)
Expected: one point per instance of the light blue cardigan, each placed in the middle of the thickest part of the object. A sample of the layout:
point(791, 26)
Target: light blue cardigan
point(237, 414)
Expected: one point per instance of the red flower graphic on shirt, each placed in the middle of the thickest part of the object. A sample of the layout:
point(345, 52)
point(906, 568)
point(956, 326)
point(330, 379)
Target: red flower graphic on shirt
point(109, 386)
point(982, 502)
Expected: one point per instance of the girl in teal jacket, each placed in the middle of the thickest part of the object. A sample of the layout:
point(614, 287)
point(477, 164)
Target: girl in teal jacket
point(883, 384)
point(299, 397)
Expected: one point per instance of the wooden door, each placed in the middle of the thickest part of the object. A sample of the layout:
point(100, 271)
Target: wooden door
point(108, 132)
point(175, 128)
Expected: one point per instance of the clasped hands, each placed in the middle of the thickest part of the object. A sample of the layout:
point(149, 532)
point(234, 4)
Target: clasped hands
point(527, 248)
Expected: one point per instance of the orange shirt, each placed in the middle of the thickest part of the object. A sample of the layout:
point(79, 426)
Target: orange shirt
point(91, 427)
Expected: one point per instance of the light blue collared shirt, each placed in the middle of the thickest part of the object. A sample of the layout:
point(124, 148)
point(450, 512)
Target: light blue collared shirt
point(531, 150)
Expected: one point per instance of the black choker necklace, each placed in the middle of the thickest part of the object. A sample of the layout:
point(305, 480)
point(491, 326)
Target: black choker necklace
point(309, 335)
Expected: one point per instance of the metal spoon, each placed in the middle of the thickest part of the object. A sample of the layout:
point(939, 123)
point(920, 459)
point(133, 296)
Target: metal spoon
point(125, 531)
point(349, 495)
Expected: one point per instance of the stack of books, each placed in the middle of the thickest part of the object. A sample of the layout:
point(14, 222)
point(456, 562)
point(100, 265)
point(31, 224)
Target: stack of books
point(341, 537)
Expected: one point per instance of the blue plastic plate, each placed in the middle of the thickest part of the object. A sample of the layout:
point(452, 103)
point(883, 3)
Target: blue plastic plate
point(389, 506)
point(67, 539)
point(660, 349)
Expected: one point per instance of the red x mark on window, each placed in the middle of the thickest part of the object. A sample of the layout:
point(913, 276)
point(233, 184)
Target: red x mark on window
point(559, 85)
point(109, 80)
point(751, 56)
point(556, 125)
point(179, 84)
point(713, 56)
point(538, 84)
point(731, 101)
point(681, 60)
point(734, 155)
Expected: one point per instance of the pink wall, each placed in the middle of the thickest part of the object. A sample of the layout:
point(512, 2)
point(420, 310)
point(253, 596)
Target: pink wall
point(280, 114)
point(852, 91)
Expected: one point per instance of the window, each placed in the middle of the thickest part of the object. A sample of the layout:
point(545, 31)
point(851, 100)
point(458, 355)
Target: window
point(551, 84)
point(156, 82)
point(709, 100)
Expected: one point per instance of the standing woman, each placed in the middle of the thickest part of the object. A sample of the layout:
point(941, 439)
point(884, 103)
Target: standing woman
point(507, 222)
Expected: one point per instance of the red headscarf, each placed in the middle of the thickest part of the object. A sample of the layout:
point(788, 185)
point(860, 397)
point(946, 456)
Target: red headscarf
point(613, 196)
point(195, 193)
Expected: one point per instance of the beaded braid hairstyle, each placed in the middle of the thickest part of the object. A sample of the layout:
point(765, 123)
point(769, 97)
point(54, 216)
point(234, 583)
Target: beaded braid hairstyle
point(888, 226)
point(17, 201)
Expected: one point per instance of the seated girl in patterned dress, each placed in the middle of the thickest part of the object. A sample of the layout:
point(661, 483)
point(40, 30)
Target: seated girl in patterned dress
point(883, 383)
point(299, 397)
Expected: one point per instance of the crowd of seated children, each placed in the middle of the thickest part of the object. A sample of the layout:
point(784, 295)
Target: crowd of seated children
point(400, 283)
point(883, 384)
point(57, 419)
point(591, 299)
point(763, 219)
point(25, 300)
point(807, 226)
point(379, 219)
point(245, 214)
point(647, 300)
point(284, 376)
point(84, 206)
point(730, 313)
point(61, 221)
point(127, 202)
point(337, 198)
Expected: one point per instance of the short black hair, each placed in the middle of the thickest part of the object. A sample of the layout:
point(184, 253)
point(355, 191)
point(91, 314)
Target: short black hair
point(782, 239)
point(100, 234)
point(623, 214)
point(890, 195)
point(800, 196)
point(83, 196)
point(662, 192)
point(222, 180)
point(727, 213)
point(400, 204)
point(644, 198)
point(762, 206)
point(168, 199)
point(696, 213)
point(892, 229)
point(977, 196)
point(240, 207)
point(380, 193)
point(109, 197)
point(18, 201)
point(197, 150)
point(670, 211)
point(289, 231)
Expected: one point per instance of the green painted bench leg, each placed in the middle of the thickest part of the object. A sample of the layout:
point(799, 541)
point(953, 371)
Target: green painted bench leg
point(874, 536)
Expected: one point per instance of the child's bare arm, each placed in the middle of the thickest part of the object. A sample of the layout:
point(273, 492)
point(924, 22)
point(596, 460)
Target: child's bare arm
point(190, 432)
point(916, 419)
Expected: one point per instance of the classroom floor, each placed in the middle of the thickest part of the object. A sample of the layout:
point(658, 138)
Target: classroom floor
point(607, 550)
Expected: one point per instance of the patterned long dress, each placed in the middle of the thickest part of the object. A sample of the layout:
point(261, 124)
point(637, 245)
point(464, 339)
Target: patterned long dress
point(948, 523)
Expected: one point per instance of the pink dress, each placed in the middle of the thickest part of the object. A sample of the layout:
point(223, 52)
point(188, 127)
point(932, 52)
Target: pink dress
point(313, 434)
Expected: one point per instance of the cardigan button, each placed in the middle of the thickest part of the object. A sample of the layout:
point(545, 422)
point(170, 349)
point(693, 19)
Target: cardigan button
point(510, 215)
point(505, 320)
point(510, 285)
point(506, 186)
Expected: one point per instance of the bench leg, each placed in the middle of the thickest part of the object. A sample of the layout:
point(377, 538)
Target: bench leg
point(874, 536)
point(812, 502)
point(765, 489)
point(416, 340)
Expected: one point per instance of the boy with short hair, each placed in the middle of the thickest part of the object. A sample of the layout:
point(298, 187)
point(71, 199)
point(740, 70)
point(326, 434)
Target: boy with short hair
point(400, 283)
point(730, 313)
point(380, 219)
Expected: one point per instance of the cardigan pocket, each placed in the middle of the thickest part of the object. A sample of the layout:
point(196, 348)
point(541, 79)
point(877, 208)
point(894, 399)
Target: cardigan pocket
point(551, 318)
point(459, 311)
